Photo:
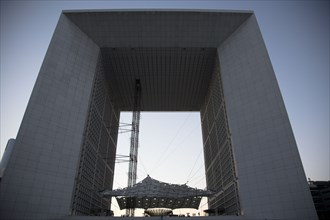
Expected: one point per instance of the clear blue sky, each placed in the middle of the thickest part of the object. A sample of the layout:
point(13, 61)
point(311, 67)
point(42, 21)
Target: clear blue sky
point(296, 34)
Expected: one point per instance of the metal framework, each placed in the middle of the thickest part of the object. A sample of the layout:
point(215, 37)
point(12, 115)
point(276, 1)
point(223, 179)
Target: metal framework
point(134, 140)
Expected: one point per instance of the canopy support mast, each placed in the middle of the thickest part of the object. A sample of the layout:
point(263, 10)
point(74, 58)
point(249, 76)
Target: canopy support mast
point(134, 140)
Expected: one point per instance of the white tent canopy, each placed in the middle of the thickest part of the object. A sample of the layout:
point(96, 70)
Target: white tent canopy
point(151, 193)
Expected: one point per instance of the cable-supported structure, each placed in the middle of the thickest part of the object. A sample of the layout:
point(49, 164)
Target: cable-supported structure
point(134, 141)
point(151, 193)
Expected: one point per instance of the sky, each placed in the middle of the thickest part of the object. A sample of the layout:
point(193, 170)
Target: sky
point(296, 34)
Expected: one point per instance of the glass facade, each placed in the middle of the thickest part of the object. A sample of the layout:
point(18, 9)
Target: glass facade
point(218, 154)
point(97, 157)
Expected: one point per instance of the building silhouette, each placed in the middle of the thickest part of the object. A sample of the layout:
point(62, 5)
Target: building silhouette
point(321, 196)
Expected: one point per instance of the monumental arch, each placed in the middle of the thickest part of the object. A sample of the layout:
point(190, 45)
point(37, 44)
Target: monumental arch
point(214, 62)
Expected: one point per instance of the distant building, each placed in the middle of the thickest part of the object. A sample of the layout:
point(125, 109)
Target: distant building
point(6, 156)
point(321, 196)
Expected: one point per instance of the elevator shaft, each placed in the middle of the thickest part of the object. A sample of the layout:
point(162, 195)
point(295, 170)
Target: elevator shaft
point(132, 170)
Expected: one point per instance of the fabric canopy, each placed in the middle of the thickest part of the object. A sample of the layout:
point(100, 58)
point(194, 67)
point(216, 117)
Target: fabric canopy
point(151, 193)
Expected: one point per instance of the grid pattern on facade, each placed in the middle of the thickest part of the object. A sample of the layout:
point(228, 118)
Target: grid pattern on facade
point(96, 166)
point(219, 161)
point(160, 28)
point(42, 176)
point(170, 76)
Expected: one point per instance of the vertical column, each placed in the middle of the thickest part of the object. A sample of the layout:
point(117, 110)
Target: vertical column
point(272, 182)
point(40, 175)
point(132, 172)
